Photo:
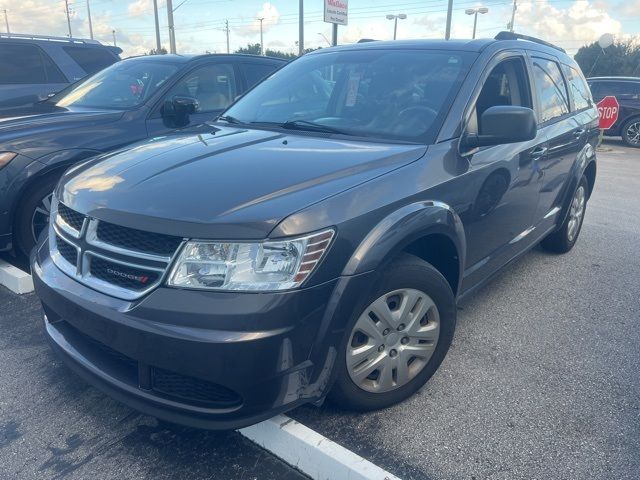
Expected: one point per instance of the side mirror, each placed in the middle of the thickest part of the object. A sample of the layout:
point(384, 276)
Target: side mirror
point(503, 124)
point(178, 109)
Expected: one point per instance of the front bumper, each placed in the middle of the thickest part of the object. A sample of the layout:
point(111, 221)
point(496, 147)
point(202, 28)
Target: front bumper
point(204, 359)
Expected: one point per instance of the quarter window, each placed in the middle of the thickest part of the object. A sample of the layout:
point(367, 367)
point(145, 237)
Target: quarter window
point(579, 89)
point(91, 60)
point(552, 91)
point(214, 86)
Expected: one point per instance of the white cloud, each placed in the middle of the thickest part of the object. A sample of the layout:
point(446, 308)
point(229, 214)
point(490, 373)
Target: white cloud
point(580, 22)
point(271, 17)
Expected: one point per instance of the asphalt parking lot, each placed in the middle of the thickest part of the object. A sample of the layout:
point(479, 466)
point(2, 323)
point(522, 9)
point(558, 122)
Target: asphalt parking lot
point(541, 382)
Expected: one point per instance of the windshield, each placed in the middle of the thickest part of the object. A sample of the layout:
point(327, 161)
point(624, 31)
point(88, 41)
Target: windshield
point(388, 94)
point(126, 84)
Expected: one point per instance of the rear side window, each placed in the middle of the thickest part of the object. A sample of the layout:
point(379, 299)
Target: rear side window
point(255, 72)
point(620, 90)
point(27, 64)
point(552, 91)
point(578, 87)
point(91, 60)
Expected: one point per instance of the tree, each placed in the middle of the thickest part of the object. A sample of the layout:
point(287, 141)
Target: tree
point(620, 59)
point(162, 51)
point(251, 49)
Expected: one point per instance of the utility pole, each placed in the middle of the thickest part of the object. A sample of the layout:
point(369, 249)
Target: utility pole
point(6, 20)
point(226, 30)
point(172, 32)
point(334, 35)
point(115, 44)
point(301, 29)
point(155, 16)
point(513, 15)
point(261, 41)
point(447, 32)
point(66, 8)
point(89, 17)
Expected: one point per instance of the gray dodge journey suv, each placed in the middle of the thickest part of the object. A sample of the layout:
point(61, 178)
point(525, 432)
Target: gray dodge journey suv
point(314, 239)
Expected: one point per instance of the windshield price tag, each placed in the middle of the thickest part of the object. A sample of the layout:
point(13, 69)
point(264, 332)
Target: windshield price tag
point(352, 89)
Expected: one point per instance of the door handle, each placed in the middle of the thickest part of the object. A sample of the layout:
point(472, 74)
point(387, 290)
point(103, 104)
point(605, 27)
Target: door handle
point(538, 152)
point(579, 132)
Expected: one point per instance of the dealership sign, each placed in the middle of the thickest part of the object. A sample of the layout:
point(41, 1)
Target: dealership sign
point(336, 11)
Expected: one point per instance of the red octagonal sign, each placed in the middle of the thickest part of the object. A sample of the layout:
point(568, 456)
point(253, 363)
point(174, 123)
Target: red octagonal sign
point(609, 109)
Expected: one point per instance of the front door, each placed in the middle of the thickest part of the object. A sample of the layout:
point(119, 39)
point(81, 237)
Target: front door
point(214, 86)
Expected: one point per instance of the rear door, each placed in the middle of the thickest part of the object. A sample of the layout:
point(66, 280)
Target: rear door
point(27, 75)
point(565, 133)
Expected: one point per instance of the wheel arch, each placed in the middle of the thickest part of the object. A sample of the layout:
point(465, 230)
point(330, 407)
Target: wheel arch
point(430, 230)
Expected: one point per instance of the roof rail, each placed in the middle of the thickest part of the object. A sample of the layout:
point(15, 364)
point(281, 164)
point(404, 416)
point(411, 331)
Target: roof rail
point(519, 36)
point(366, 40)
point(49, 38)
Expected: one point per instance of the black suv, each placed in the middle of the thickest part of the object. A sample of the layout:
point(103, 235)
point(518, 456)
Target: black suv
point(135, 99)
point(316, 238)
point(35, 66)
point(627, 92)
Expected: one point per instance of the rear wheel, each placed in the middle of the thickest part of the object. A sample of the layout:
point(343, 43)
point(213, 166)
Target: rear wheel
point(631, 132)
point(398, 341)
point(32, 217)
point(563, 239)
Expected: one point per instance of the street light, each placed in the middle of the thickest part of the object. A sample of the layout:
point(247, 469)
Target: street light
point(395, 18)
point(325, 38)
point(475, 11)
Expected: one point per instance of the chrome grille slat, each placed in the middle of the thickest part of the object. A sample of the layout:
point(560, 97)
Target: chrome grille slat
point(121, 272)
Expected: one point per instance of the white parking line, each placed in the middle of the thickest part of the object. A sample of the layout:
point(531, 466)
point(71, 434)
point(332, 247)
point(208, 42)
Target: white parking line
point(15, 279)
point(311, 453)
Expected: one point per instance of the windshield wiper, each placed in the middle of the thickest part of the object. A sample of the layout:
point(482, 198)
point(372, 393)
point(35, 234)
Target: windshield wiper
point(311, 126)
point(229, 119)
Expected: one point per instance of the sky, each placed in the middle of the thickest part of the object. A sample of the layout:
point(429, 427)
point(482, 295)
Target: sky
point(199, 23)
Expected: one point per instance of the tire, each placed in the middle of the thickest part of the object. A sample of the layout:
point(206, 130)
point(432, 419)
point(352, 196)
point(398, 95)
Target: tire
point(563, 239)
point(631, 132)
point(406, 274)
point(32, 206)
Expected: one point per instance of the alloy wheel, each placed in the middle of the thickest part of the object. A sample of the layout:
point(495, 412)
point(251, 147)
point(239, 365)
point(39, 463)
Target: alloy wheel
point(576, 213)
point(40, 217)
point(633, 133)
point(393, 340)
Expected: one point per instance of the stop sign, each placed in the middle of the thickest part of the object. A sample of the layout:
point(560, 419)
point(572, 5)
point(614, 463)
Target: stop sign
point(609, 109)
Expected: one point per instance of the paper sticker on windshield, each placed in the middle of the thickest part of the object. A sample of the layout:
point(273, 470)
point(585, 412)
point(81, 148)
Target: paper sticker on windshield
point(352, 90)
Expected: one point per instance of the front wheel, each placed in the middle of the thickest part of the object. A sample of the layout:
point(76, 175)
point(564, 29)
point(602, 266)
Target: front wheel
point(631, 132)
point(32, 217)
point(563, 239)
point(399, 340)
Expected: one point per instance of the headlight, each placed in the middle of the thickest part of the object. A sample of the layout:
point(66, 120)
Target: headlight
point(268, 265)
point(6, 157)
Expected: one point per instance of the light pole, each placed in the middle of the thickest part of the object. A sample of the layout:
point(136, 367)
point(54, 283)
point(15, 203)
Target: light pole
point(261, 44)
point(395, 18)
point(115, 44)
point(89, 17)
point(475, 11)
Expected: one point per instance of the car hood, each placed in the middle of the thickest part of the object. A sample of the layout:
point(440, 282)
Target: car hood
point(227, 183)
point(29, 134)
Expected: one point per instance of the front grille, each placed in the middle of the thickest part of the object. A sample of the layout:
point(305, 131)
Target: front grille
point(118, 261)
point(193, 390)
point(67, 251)
point(71, 217)
point(139, 240)
point(124, 276)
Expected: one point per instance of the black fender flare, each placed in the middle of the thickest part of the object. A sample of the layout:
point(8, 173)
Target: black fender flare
point(585, 158)
point(401, 228)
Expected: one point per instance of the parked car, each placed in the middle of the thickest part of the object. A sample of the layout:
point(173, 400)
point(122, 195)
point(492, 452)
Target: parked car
point(316, 239)
point(34, 66)
point(627, 92)
point(132, 100)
